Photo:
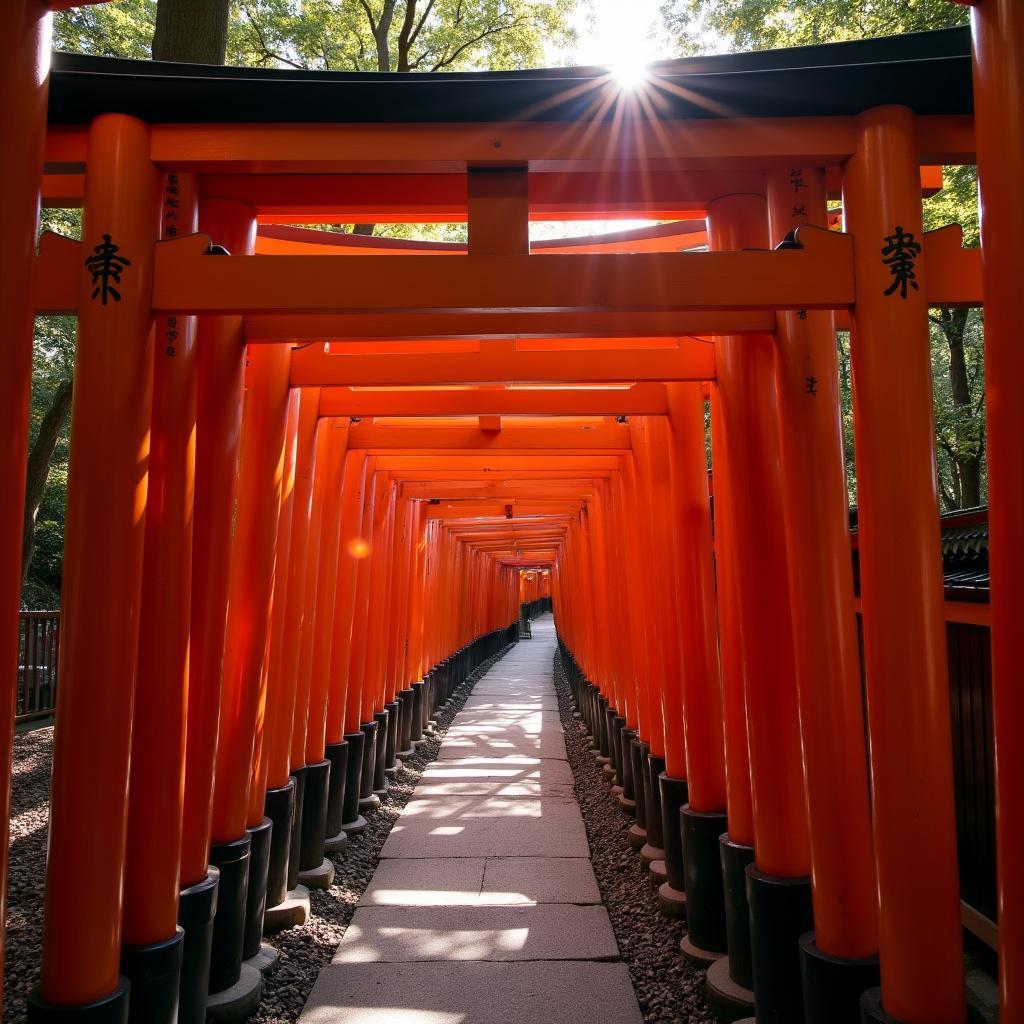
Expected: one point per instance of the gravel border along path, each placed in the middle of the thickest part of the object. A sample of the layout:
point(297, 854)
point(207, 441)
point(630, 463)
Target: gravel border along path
point(669, 991)
point(303, 950)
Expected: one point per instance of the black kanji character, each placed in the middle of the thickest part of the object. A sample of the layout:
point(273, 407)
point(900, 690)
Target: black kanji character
point(106, 267)
point(812, 385)
point(900, 252)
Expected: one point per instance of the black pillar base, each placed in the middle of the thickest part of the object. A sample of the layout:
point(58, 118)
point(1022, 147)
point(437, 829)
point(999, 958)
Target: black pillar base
point(295, 839)
point(872, 1012)
point(735, 858)
point(279, 807)
point(406, 714)
point(314, 816)
point(702, 865)
point(154, 975)
point(369, 731)
point(256, 895)
point(652, 795)
point(618, 745)
point(353, 780)
point(380, 780)
point(417, 716)
point(674, 795)
point(636, 757)
point(391, 747)
point(727, 999)
point(780, 913)
point(833, 985)
point(229, 922)
point(337, 754)
point(197, 905)
point(602, 727)
point(112, 1009)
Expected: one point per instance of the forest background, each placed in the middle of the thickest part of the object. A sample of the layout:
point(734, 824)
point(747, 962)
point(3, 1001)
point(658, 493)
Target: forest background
point(414, 36)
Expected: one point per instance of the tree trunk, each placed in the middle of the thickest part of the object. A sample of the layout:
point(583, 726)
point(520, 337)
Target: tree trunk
point(39, 469)
point(968, 465)
point(195, 31)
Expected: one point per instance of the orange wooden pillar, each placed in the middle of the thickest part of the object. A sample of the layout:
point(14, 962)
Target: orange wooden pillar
point(377, 617)
point(778, 883)
point(703, 818)
point(998, 27)
point(344, 749)
point(273, 791)
point(739, 804)
point(650, 439)
point(220, 380)
point(282, 554)
point(386, 625)
point(306, 637)
point(360, 660)
point(306, 640)
point(103, 559)
point(239, 852)
point(637, 555)
point(416, 669)
point(404, 575)
point(316, 870)
point(287, 760)
point(901, 583)
point(25, 25)
point(642, 656)
point(840, 960)
point(153, 942)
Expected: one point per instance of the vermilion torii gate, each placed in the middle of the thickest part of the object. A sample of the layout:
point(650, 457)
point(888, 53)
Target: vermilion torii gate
point(308, 497)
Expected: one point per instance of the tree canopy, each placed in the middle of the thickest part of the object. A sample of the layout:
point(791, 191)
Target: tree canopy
point(769, 24)
point(344, 35)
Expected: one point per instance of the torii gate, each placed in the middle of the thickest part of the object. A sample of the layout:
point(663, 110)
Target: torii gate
point(753, 317)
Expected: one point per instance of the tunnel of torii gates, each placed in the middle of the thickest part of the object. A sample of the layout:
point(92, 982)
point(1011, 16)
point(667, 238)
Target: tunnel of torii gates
point(309, 495)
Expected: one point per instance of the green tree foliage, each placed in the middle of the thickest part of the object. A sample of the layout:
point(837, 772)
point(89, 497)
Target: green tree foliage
point(344, 35)
point(395, 35)
point(121, 29)
point(770, 24)
point(49, 443)
point(957, 335)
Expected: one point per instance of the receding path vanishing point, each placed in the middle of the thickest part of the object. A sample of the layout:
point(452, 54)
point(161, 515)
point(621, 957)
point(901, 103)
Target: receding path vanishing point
point(484, 908)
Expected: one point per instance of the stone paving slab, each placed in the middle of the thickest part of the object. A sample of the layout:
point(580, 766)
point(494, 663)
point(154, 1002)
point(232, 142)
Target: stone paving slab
point(494, 703)
point(543, 932)
point(576, 992)
point(532, 720)
point(547, 777)
point(555, 830)
point(499, 769)
point(501, 744)
point(426, 882)
point(540, 879)
point(479, 882)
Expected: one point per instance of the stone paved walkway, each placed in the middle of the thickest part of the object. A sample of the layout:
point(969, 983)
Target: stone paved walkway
point(484, 908)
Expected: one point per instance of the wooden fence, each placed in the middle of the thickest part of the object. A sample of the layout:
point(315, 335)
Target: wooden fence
point(38, 646)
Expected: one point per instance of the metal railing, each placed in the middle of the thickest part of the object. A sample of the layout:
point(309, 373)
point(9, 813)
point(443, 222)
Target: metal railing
point(38, 647)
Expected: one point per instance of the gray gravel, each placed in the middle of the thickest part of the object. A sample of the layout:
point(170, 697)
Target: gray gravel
point(30, 813)
point(303, 950)
point(669, 991)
